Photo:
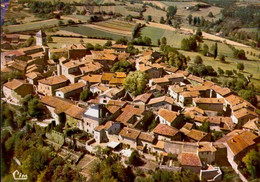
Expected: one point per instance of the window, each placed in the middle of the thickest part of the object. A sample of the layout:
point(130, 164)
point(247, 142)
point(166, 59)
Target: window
point(105, 101)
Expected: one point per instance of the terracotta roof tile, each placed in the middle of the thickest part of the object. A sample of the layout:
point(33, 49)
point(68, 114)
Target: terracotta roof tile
point(196, 134)
point(54, 80)
point(143, 98)
point(71, 87)
point(168, 115)
point(146, 137)
point(166, 130)
point(190, 159)
point(130, 133)
point(161, 99)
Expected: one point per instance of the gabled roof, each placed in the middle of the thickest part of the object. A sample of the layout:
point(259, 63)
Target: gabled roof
point(143, 98)
point(92, 78)
point(54, 80)
point(160, 80)
point(209, 100)
point(190, 159)
point(253, 124)
point(128, 112)
point(15, 83)
point(130, 133)
point(166, 130)
point(190, 93)
point(34, 75)
point(244, 112)
point(71, 87)
point(196, 134)
point(195, 78)
point(220, 90)
point(206, 147)
point(161, 99)
point(168, 115)
point(146, 137)
point(63, 106)
point(240, 142)
point(111, 92)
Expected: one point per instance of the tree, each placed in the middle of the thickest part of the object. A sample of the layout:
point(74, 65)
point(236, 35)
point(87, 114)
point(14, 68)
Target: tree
point(198, 60)
point(135, 158)
point(190, 19)
point(35, 107)
point(122, 66)
point(60, 23)
point(248, 95)
point(205, 127)
point(252, 162)
point(149, 18)
point(162, 21)
point(89, 46)
point(164, 41)
point(108, 43)
point(85, 95)
point(229, 72)
point(122, 40)
point(220, 71)
point(210, 14)
point(239, 54)
point(194, 20)
point(240, 66)
point(205, 49)
point(158, 42)
point(222, 58)
point(98, 47)
point(199, 32)
point(215, 50)
point(135, 82)
point(172, 10)
point(49, 38)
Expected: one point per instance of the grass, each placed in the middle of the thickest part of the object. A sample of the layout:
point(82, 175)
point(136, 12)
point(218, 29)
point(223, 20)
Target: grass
point(32, 26)
point(117, 25)
point(155, 13)
point(58, 42)
point(88, 31)
point(182, 11)
point(82, 18)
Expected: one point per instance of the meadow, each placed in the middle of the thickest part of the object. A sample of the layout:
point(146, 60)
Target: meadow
point(93, 32)
point(33, 25)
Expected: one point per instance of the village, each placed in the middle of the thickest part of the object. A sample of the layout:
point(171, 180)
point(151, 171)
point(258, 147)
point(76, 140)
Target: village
point(178, 115)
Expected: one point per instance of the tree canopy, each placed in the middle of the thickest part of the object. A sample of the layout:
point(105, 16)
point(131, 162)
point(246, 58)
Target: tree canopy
point(135, 82)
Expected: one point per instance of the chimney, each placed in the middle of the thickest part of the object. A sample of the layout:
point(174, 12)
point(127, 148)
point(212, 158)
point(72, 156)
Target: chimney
point(58, 69)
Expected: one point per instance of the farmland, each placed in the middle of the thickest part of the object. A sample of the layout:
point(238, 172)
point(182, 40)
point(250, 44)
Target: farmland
point(32, 25)
point(93, 32)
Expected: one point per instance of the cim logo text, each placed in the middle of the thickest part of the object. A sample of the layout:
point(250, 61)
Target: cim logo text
point(19, 176)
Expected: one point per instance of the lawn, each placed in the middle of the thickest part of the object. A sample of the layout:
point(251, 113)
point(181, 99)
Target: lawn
point(88, 31)
point(33, 25)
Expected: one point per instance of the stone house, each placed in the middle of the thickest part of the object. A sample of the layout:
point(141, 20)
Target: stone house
point(71, 91)
point(94, 116)
point(197, 136)
point(168, 117)
point(129, 136)
point(15, 90)
point(33, 77)
point(110, 94)
point(48, 86)
point(242, 116)
point(207, 152)
point(102, 132)
point(191, 161)
point(213, 104)
point(166, 132)
point(146, 140)
point(161, 102)
point(185, 98)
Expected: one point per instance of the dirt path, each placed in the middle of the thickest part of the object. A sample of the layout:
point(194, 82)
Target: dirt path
point(120, 32)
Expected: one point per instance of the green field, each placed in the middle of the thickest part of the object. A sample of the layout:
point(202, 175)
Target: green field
point(173, 38)
point(82, 18)
point(33, 25)
point(117, 25)
point(88, 31)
